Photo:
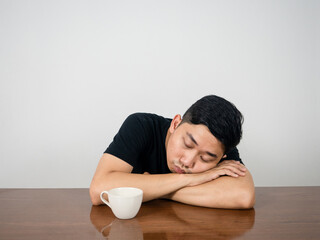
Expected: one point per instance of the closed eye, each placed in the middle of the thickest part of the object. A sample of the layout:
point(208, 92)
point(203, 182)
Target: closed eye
point(187, 146)
point(207, 160)
point(204, 160)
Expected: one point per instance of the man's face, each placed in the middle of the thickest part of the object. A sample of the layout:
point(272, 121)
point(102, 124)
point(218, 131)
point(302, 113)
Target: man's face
point(191, 148)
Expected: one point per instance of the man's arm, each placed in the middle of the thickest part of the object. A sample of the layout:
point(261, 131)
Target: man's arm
point(223, 192)
point(113, 172)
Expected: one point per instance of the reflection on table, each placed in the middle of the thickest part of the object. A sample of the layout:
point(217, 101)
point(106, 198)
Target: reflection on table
point(163, 219)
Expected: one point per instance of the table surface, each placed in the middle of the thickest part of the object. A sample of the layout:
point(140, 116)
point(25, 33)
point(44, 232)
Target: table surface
point(279, 213)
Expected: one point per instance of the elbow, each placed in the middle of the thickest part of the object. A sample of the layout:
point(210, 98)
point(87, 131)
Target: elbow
point(94, 195)
point(246, 200)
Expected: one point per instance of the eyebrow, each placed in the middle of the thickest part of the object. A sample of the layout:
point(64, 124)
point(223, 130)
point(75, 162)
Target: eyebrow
point(195, 142)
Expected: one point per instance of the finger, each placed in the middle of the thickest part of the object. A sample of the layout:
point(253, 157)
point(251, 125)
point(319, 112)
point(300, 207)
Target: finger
point(230, 173)
point(236, 170)
point(239, 165)
point(226, 171)
point(231, 162)
point(239, 170)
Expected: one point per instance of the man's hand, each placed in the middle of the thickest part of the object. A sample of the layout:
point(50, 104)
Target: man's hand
point(226, 168)
point(231, 168)
point(232, 187)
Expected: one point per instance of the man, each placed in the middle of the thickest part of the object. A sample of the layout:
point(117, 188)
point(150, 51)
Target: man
point(193, 159)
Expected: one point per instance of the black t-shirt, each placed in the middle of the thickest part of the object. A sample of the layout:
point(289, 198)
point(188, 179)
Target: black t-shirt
point(141, 143)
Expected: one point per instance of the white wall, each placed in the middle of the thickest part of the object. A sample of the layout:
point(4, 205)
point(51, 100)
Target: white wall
point(71, 71)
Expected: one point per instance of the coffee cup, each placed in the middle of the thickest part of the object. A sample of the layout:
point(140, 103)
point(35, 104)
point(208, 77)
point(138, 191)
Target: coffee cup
point(124, 202)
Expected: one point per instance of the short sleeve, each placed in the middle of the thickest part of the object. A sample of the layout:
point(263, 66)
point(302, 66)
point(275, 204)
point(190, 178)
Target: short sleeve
point(129, 142)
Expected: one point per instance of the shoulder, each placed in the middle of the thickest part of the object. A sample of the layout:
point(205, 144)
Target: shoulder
point(146, 124)
point(141, 118)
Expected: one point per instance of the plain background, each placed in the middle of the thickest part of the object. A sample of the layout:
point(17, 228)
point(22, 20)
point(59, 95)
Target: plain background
point(71, 72)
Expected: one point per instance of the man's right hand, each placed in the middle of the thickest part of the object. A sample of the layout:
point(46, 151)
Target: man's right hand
point(226, 168)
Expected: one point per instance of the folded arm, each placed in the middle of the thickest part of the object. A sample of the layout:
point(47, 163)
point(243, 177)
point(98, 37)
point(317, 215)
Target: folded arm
point(207, 189)
point(223, 192)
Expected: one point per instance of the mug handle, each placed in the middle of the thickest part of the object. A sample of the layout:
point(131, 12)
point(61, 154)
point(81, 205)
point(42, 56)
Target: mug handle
point(103, 200)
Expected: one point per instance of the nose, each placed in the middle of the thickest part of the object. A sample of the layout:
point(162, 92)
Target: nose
point(188, 161)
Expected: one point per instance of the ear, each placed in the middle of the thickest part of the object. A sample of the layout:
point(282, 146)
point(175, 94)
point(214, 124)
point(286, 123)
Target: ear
point(175, 123)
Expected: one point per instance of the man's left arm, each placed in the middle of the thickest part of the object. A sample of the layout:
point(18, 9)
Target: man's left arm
point(223, 192)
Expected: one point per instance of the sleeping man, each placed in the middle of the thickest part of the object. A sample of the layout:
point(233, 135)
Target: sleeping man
point(191, 159)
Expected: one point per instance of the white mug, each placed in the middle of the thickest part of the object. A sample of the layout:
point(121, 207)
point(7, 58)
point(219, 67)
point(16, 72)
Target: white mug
point(124, 202)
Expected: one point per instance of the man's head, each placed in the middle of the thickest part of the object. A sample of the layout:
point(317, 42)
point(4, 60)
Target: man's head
point(220, 116)
point(208, 130)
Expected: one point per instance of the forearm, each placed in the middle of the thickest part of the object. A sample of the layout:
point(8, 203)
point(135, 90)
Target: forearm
point(153, 186)
point(223, 192)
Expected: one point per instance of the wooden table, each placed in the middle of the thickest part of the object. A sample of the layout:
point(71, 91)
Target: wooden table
point(279, 213)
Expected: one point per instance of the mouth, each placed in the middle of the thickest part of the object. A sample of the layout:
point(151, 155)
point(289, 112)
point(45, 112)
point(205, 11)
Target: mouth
point(178, 170)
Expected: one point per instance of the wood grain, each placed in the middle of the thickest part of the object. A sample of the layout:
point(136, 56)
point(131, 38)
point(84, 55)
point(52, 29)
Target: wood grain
point(279, 213)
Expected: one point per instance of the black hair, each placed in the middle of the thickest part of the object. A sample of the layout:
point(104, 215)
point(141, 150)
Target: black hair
point(222, 118)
